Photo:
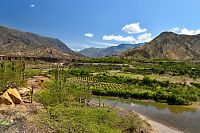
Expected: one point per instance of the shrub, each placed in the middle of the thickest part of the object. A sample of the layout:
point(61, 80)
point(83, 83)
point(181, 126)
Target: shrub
point(178, 100)
point(80, 119)
point(61, 91)
point(195, 84)
point(12, 72)
point(147, 81)
point(80, 72)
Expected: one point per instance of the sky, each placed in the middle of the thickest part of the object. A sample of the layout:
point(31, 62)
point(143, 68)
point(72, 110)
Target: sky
point(101, 23)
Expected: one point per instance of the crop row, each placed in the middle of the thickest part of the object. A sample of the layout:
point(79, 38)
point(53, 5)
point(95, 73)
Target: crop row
point(177, 95)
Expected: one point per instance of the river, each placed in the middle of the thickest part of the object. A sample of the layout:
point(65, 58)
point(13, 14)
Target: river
point(186, 119)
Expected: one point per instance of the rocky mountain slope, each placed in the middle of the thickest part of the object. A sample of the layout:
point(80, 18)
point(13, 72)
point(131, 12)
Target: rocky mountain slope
point(109, 51)
point(18, 43)
point(168, 45)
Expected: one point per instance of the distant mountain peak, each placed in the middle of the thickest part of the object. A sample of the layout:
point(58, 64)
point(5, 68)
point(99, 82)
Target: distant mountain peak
point(169, 45)
point(109, 51)
point(167, 33)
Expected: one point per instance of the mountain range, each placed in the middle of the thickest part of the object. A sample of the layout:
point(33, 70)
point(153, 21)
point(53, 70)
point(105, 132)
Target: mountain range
point(18, 43)
point(109, 51)
point(168, 45)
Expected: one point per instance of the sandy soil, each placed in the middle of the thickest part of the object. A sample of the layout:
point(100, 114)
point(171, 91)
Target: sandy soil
point(159, 128)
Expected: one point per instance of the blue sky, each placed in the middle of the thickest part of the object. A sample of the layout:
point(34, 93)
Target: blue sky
point(101, 23)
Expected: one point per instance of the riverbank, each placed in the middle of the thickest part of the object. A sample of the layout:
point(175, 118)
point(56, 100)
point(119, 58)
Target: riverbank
point(196, 105)
point(162, 117)
point(152, 126)
point(158, 127)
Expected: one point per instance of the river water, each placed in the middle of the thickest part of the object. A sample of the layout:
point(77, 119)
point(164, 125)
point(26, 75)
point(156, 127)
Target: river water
point(186, 119)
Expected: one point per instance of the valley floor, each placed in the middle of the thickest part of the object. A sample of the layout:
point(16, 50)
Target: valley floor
point(24, 118)
point(72, 88)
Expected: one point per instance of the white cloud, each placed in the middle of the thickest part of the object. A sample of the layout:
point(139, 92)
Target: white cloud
point(133, 28)
point(189, 32)
point(105, 43)
point(146, 37)
point(119, 38)
point(176, 29)
point(185, 31)
point(32, 6)
point(86, 46)
point(90, 35)
point(76, 49)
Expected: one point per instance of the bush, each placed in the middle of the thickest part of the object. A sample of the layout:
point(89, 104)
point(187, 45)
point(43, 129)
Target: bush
point(195, 84)
point(160, 96)
point(79, 72)
point(178, 100)
point(31, 72)
point(81, 119)
point(12, 72)
point(147, 81)
point(61, 91)
point(161, 72)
